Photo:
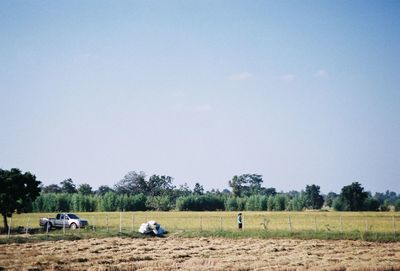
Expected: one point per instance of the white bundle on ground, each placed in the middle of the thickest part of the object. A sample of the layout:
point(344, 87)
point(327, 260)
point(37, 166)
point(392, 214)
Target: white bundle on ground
point(151, 227)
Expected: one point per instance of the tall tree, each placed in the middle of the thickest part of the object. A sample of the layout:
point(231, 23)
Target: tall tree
point(52, 188)
point(85, 189)
point(313, 198)
point(17, 190)
point(132, 183)
point(103, 189)
point(353, 197)
point(330, 198)
point(246, 184)
point(68, 186)
point(159, 185)
point(198, 189)
point(268, 191)
point(182, 191)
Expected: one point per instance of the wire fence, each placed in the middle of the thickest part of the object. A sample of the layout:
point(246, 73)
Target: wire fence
point(289, 223)
point(126, 222)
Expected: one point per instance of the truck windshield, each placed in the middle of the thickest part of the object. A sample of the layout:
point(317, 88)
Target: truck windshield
point(72, 216)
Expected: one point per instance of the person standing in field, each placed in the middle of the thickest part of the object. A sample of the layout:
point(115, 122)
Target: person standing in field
point(240, 221)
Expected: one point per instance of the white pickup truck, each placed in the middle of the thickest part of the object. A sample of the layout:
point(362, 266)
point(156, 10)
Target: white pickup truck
point(67, 220)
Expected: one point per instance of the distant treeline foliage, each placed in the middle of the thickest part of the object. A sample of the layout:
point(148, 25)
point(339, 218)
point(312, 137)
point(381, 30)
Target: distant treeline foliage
point(136, 192)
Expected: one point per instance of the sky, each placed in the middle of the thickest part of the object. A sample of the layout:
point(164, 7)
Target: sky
point(301, 92)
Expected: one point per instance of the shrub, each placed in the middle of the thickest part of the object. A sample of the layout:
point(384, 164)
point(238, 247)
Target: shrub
point(231, 204)
point(397, 205)
point(200, 203)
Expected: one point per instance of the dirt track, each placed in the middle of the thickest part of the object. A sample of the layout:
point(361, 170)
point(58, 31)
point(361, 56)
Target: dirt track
point(200, 254)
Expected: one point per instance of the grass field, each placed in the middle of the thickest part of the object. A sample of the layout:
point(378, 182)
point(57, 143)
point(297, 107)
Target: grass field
point(352, 224)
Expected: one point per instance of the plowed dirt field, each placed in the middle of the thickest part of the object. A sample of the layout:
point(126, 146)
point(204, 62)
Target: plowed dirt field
point(173, 253)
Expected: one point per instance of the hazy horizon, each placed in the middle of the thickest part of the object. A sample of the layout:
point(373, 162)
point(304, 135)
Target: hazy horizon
point(301, 92)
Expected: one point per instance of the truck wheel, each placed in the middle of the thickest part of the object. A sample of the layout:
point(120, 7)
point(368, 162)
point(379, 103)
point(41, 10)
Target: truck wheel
point(73, 226)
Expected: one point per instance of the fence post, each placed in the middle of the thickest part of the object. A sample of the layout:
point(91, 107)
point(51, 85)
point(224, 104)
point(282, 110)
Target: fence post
point(9, 227)
point(47, 228)
point(108, 229)
point(341, 224)
point(394, 225)
point(220, 223)
point(133, 223)
point(290, 224)
point(315, 223)
point(27, 226)
point(120, 222)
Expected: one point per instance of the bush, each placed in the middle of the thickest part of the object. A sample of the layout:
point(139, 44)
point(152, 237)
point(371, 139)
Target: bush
point(109, 202)
point(280, 202)
point(51, 202)
point(83, 203)
point(338, 204)
point(296, 204)
point(241, 203)
point(371, 204)
point(200, 203)
point(256, 203)
point(231, 204)
point(159, 203)
point(397, 205)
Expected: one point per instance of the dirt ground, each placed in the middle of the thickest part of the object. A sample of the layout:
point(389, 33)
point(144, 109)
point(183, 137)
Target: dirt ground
point(173, 253)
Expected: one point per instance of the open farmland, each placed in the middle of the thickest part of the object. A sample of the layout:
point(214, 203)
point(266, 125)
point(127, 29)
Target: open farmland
point(206, 251)
point(173, 253)
point(380, 222)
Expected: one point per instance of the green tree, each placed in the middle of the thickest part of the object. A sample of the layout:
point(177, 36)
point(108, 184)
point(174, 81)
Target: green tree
point(17, 190)
point(268, 191)
point(159, 185)
point(68, 186)
point(297, 203)
point(198, 189)
point(52, 188)
point(338, 204)
point(109, 202)
point(397, 205)
point(329, 199)
point(353, 197)
point(182, 191)
point(231, 204)
point(371, 204)
point(132, 183)
point(85, 189)
point(313, 198)
point(280, 202)
point(246, 184)
point(103, 189)
point(159, 203)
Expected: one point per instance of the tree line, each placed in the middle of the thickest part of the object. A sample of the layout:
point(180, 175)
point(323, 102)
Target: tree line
point(21, 192)
point(136, 192)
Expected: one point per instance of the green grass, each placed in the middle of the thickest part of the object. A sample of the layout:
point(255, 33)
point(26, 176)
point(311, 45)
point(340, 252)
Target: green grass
point(370, 226)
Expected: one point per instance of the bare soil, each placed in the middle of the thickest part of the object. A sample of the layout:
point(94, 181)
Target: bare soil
point(173, 253)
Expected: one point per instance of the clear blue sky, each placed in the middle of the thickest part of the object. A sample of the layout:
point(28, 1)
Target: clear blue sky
point(301, 92)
